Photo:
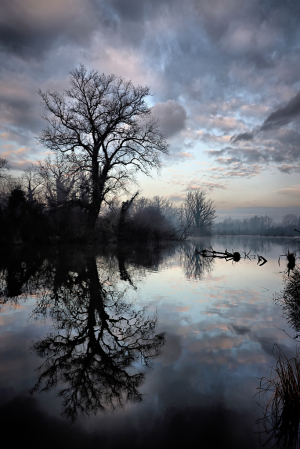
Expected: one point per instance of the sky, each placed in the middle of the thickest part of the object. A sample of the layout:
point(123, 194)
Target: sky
point(224, 77)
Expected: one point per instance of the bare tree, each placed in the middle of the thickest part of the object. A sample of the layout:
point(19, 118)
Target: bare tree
point(7, 182)
point(184, 222)
point(201, 211)
point(32, 184)
point(103, 125)
point(60, 179)
point(291, 220)
point(3, 167)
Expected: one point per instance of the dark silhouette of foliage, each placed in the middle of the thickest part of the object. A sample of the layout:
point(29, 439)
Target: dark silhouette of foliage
point(123, 215)
point(289, 300)
point(23, 221)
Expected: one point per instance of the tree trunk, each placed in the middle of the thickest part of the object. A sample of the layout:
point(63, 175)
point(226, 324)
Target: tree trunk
point(98, 184)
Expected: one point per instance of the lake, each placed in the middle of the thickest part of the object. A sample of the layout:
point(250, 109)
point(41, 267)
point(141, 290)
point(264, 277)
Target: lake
point(141, 347)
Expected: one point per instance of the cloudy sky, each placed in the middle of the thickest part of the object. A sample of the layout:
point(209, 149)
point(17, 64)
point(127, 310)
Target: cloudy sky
point(225, 78)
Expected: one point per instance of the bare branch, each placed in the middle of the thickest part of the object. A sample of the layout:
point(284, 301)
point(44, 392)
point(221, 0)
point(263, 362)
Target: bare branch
point(103, 124)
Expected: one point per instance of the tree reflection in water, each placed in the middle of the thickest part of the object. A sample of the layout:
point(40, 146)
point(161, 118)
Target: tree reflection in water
point(22, 272)
point(281, 419)
point(100, 346)
point(289, 300)
point(195, 266)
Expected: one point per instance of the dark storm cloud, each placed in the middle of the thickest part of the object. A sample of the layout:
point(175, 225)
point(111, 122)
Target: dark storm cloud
point(280, 117)
point(248, 155)
point(172, 117)
point(286, 168)
point(19, 110)
point(242, 136)
point(30, 28)
point(136, 10)
point(284, 115)
point(217, 152)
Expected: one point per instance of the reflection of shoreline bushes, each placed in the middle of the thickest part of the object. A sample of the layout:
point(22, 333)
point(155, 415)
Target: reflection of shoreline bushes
point(25, 268)
point(289, 300)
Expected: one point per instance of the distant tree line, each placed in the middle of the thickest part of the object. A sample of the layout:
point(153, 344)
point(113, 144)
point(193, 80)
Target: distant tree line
point(259, 225)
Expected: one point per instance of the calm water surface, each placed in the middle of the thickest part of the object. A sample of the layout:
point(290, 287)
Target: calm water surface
point(149, 347)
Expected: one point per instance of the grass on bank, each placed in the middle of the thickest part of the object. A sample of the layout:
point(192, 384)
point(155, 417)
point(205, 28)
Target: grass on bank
point(284, 386)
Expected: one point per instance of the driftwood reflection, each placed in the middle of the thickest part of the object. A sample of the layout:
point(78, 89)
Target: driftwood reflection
point(100, 345)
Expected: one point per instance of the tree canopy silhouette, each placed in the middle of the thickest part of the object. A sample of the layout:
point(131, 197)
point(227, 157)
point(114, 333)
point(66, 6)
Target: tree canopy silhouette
point(202, 211)
point(103, 125)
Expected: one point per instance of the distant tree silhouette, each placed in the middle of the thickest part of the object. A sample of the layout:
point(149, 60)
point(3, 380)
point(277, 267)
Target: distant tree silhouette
point(200, 210)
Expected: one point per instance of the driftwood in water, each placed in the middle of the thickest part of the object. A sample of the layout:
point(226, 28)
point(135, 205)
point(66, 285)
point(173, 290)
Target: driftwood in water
point(235, 256)
point(261, 260)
